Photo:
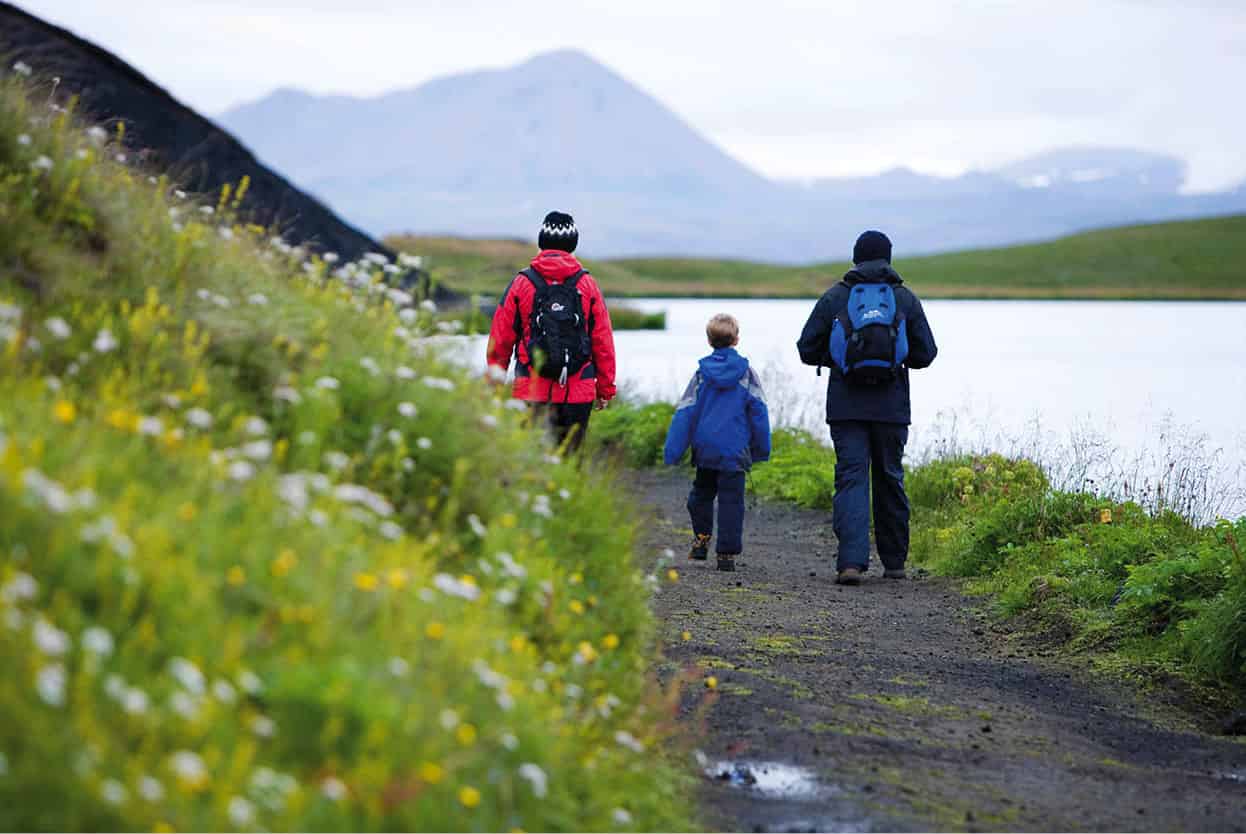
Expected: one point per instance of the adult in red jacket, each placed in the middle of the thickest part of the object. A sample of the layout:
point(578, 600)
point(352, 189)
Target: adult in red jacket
point(565, 407)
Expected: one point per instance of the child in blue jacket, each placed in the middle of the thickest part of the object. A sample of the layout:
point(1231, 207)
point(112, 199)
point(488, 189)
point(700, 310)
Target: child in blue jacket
point(722, 416)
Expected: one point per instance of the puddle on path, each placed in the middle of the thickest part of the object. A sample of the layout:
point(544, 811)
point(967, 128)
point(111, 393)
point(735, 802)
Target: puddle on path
point(788, 798)
point(772, 780)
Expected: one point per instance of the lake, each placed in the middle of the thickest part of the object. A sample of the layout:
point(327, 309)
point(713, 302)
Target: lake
point(1098, 389)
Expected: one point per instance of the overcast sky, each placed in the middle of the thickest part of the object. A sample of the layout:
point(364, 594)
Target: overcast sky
point(795, 88)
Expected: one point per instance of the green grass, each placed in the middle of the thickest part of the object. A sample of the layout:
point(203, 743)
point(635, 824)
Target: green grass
point(265, 562)
point(1195, 259)
point(1145, 592)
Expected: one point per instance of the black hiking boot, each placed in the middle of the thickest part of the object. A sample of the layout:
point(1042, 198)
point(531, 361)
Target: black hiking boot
point(895, 573)
point(726, 561)
point(700, 548)
point(849, 576)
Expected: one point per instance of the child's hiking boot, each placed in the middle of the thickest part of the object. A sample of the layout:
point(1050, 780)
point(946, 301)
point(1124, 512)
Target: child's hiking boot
point(700, 547)
point(895, 573)
point(726, 561)
point(849, 576)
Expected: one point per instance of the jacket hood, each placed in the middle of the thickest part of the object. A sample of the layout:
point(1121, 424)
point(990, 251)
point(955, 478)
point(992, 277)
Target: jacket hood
point(723, 368)
point(556, 264)
point(873, 272)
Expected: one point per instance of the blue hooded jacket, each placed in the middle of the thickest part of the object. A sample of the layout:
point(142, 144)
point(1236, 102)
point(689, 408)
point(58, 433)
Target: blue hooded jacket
point(722, 416)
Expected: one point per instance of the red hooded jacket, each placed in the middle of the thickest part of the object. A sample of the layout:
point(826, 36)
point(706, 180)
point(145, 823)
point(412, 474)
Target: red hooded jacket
point(596, 379)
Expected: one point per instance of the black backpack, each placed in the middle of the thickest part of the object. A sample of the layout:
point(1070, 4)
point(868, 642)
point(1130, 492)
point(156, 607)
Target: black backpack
point(560, 343)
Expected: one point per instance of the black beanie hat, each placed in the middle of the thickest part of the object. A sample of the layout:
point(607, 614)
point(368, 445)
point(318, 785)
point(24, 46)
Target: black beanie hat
point(558, 231)
point(872, 246)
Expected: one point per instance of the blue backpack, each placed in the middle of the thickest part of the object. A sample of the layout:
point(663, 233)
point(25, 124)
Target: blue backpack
point(869, 340)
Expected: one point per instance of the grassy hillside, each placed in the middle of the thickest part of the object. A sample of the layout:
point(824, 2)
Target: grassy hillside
point(265, 562)
point(1189, 259)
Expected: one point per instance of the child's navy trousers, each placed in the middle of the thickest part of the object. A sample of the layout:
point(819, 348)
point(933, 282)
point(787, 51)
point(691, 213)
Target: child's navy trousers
point(728, 487)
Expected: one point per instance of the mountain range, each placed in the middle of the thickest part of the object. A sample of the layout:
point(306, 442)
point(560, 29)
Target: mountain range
point(486, 153)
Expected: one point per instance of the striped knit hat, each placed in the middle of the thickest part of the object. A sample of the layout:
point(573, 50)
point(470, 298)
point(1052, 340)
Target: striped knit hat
point(559, 232)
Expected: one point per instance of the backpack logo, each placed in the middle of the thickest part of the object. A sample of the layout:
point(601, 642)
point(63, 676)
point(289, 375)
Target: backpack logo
point(556, 307)
point(872, 314)
point(869, 339)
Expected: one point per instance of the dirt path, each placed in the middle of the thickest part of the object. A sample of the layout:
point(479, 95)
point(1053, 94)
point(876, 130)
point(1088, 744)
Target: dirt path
point(895, 706)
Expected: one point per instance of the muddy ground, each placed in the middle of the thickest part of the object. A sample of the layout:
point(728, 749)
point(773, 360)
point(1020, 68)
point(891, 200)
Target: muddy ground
point(898, 705)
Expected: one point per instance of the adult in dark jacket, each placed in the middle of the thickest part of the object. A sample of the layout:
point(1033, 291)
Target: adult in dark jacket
point(869, 423)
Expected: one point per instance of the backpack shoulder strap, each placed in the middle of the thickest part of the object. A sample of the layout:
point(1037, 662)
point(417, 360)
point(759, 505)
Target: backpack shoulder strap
point(574, 279)
point(537, 279)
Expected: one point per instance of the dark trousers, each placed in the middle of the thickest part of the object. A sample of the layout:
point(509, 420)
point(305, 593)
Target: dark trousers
point(870, 453)
point(567, 422)
point(728, 487)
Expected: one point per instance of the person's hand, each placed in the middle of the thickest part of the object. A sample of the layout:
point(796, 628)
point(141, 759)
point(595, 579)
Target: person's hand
point(599, 404)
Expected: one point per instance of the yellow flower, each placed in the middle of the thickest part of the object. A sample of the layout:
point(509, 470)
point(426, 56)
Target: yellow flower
point(236, 576)
point(366, 581)
point(610, 641)
point(467, 579)
point(592, 599)
point(508, 520)
point(64, 412)
point(575, 579)
point(1105, 516)
point(435, 631)
point(469, 796)
point(431, 773)
point(396, 579)
point(122, 420)
point(576, 606)
point(466, 734)
point(672, 575)
point(518, 643)
point(187, 512)
point(200, 386)
point(711, 682)
point(285, 562)
point(587, 652)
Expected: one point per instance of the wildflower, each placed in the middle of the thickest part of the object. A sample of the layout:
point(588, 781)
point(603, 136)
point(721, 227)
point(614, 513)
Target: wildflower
point(241, 811)
point(184, 705)
point(396, 578)
point(428, 305)
point(376, 258)
point(263, 726)
point(250, 682)
point(255, 426)
point(134, 701)
point(621, 817)
point(22, 68)
point(506, 596)
point(431, 773)
point(469, 796)
point(366, 581)
point(1105, 516)
point(121, 158)
point(236, 576)
point(610, 642)
point(97, 641)
point(150, 426)
point(223, 691)
point(150, 789)
point(407, 409)
point(540, 506)
point(711, 682)
point(241, 470)
point(329, 257)
point(536, 778)
point(23, 139)
point(199, 418)
point(585, 652)
point(328, 383)
point(227, 233)
point(42, 163)
point(104, 341)
point(187, 674)
point(258, 449)
point(477, 526)
point(58, 327)
point(672, 575)
point(50, 684)
point(189, 769)
point(399, 667)
point(435, 631)
point(64, 412)
point(439, 383)
point(626, 739)
point(686, 636)
point(369, 365)
point(208, 210)
point(466, 734)
point(336, 460)
point(113, 792)
point(333, 789)
point(576, 606)
point(564, 494)
point(456, 587)
point(21, 587)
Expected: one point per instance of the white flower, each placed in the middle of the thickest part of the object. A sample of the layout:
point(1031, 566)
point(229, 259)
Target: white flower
point(369, 365)
point(150, 426)
point(82, 153)
point(399, 298)
point(172, 401)
point(258, 449)
point(540, 506)
point(224, 691)
point(58, 327)
point(188, 767)
point(263, 726)
point(134, 701)
point(42, 163)
point(250, 682)
point(328, 383)
point(428, 305)
point(207, 210)
point(407, 409)
point(318, 518)
point(329, 257)
point(515, 405)
point(407, 315)
point(449, 719)
point(626, 739)
point(478, 526)
point(257, 299)
point(150, 789)
point(506, 596)
point(408, 465)
point(489, 421)
point(307, 438)
point(399, 667)
point(187, 674)
point(355, 494)
point(621, 817)
point(334, 789)
point(50, 684)
point(22, 68)
point(505, 701)
point(241, 470)
point(391, 531)
point(49, 639)
point(404, 373)
point(221, 301)
point(424, 443)
point(255, 426)
point(104, 341)
point(564, 494)
point(241, 811)
point(287, 394)
point(121, 158)
point(227, 233)
point(536, 778)
point(376, 258)
point(395, 437)
point(21, 587)
point(199, 418)
point(114, 687)
point(98, 641)
point(113, 792)
point(447, 584)
point(23, 139)
point(97, 134)
point(439, 382)
point(411, 261)
point(509, 741)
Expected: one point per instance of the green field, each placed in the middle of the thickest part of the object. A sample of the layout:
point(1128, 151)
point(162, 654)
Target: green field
point(1196, 259)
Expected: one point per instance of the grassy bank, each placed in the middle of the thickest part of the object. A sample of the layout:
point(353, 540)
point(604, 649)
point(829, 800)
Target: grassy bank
point(1195, 259)
point(265, 562)
point(1141, 591)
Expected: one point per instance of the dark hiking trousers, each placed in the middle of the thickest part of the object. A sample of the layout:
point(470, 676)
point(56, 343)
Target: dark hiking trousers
point(729, 489)
point(567, 422)
point(870, 454)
